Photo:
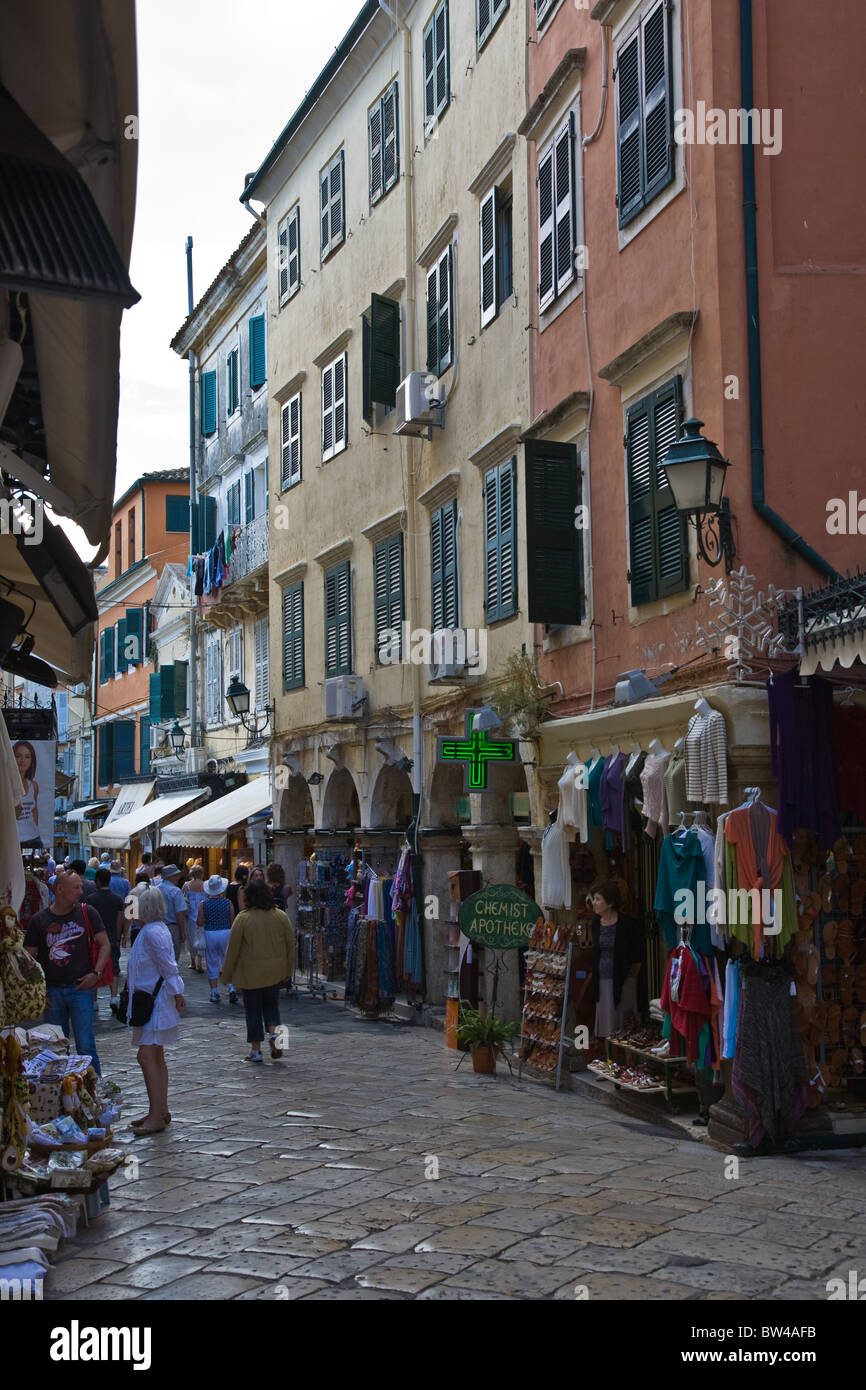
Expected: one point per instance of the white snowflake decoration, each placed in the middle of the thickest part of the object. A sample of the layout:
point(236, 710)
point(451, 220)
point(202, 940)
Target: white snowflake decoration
point(744, 625)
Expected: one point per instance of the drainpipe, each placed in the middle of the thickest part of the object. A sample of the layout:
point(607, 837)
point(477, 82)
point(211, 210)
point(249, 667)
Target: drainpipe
point(756, 409)
point(193, 513)
point(412, 595)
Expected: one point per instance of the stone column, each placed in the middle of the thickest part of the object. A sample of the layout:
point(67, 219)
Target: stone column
point(440, 856)
point(493, 848)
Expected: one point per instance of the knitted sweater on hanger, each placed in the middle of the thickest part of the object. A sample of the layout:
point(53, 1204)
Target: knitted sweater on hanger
point(706, 755)
point(655, 802)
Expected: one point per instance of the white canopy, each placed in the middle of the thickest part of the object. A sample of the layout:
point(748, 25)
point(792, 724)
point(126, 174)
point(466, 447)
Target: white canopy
point(82, 812)
point(208, 827)
point(120, 831)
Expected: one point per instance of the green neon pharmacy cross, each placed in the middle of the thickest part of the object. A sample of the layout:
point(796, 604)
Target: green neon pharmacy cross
point(476, 749)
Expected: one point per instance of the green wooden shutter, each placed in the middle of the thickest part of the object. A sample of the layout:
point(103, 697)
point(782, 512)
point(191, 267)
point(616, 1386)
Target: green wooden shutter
point(124, 749)
point(443, 561)
point(234, 380)
point(208, 402)
point(155, 712)
point(390, 137)
point(500, 579)
point(177, 512)
point(207, 519)
point(657, 101)
point(144, 744)
point(122, 662)
point(433, 321)
point(106, 654)
point(338, 621)
point(658, 551)
point(375, 128)
point(384, 350)
point(135, 630)
point(180, 687)
point(628, 130)
point(554, 575)
point(106, 755)
point(366, 368)
point(257, 351)
point(166, 692)
point(293, 636)
point(249, 498)
point(388, 590)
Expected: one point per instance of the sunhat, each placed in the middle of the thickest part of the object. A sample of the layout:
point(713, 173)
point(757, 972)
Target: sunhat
point(216, 885)
point(170, 871)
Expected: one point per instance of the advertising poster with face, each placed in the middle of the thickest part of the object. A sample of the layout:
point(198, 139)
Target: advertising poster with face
point(36, 761)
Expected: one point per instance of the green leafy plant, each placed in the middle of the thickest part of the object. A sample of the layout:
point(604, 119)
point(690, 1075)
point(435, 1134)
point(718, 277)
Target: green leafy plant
point(475, 1030)
point(519, 697)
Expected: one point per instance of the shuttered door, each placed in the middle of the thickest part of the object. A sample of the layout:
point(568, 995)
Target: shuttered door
point(554, 571)
point(124, 749)
point(500, 580)
point(388, 594)
point(384, 350)
point(293, 636)
point(443, 565)
point(657, 536)
point(338, 621)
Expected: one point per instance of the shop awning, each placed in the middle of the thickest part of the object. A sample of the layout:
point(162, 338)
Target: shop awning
point(208, 827)
point(842, 652)
point(82, 812)
point(124, 828)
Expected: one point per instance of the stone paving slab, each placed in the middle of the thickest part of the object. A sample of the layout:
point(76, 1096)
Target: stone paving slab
point(310, 1179)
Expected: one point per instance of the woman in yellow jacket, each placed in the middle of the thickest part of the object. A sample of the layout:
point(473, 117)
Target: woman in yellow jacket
point(260, 953)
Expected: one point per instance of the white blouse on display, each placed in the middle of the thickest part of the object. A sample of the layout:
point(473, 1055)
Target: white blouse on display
point(573, 798)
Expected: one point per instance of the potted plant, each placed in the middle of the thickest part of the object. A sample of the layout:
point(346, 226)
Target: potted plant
point(486, 1036)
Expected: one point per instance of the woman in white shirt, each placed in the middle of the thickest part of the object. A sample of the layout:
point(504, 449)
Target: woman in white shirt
point(151, 960)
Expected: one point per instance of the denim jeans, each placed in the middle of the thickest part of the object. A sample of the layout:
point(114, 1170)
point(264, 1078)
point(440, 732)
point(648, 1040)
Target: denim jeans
point(67, 1005)
point(262, 1008)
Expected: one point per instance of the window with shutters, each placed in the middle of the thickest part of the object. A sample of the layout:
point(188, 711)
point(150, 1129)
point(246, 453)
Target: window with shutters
point(338, 620)
point(120, 662)
point(293, 636)
point(258, 362)
point(332, 204)
point(554, 553)
point(389, 597)
point(383, 121)
point(249, 497)
point(134, 638)
point(658, 539)
point(262, 663)
point(440, 314)
point(233, 368)
point(208, 403)
point(444, 572)
point(543, 9)
point(290, 442)
point(557, 215)
point(106, 655)
point(494, 244)
point(289, 254)
point(437, 66)
point(124, 750)
point(334, 412)
point(644, 112)
point(130, 536)
point(489, 13)
point(500, 541)
point(381, 346)
point(233, 504)
point(105, 766)
point(177, 513)
point(143, 744)
point(86, 769)
point(213, 683)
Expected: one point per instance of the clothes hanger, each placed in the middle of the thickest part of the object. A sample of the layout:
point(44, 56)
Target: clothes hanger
point(678, 744)
point(658, 749)
point(702, 821)
point(636, 751)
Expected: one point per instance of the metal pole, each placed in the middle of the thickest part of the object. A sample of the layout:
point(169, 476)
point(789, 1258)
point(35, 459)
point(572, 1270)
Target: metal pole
point(193, 512)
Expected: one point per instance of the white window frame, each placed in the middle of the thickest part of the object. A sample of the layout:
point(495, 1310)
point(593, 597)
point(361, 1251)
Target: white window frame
point(291, 442)
point(262, 663)
point(562, 205)
point(434, 277)
point(330, 411)
point(431, 116)
point(338, 162)
point(488, 248)
point(495, 10)
point(234, 351)
point(288, 261)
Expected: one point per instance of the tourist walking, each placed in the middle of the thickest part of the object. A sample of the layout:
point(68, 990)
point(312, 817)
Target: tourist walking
point(58, 938)
point(242, 873)
point(275, 875)
point(216, 915)
point(109, 905)
point(153, 971)
point(175, 904)
point(261, 953)
point(193, 892)
point(119, 882)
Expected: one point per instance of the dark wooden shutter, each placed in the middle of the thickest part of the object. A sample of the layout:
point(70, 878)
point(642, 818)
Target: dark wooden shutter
point(554, 575)
point(325, 190)
point(656, 101)
point(658, 549)
point(429, 73)
point(208, 402)
point(143, 744)
point(207, 518)
point(628, 129)
point(443, 75)
point(177, 513)
point(388, 590)
point(484, 7)
point(443, 564)
point(384, 350)
point(433, 321)
point(293, 636)
point(366, 368)
point(546, 232)
point(283, 258)
point(340, 402)
point(166, 692)
point(249, 497)
point(122, 662)
point(563, 153)
point(180, 687)
point(106, 755)
point(390, 137)
point(124, 749)
point(338, 621)
point(376, 152)
point(257, 351)
point(135, 629)
point(155, 711)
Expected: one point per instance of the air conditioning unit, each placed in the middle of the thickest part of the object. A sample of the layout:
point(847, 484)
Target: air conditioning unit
point(450, 658)
point(344, 697)
point(195, 760)
point(415, 412)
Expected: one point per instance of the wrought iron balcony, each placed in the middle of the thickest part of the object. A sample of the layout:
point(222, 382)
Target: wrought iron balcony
point(249, 552)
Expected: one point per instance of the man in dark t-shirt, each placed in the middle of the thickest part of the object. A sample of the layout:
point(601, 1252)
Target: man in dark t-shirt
point(58, 938)
point(109, 905)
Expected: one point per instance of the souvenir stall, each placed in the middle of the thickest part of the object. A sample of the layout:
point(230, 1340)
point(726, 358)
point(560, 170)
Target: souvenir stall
point(55, 1121)
point(383, 956)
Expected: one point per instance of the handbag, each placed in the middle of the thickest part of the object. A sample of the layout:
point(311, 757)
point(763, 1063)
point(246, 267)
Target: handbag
point(143, 1001)
point(22, 980)
point(107, 976)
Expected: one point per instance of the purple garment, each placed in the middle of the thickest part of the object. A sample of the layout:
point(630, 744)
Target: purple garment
point(612, 796)
point(803, 756)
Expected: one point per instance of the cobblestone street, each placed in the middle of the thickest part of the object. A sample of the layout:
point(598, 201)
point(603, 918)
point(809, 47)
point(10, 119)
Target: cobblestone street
point(308, 1178)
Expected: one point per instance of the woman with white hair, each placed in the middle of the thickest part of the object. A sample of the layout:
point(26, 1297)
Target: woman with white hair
point(153, 970)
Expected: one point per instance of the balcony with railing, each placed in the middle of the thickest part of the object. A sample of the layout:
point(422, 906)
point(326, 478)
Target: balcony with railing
point(244, 592)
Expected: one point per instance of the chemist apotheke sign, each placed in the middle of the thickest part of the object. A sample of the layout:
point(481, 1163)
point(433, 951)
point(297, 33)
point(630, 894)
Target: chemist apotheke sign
point(499, 916)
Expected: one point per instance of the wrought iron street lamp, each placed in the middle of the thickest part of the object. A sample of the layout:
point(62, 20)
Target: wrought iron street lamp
point(238, 696)
point(695, 470)
point(178, 738)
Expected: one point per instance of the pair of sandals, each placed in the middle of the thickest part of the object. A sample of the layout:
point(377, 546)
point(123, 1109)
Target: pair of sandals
point(141, 1127)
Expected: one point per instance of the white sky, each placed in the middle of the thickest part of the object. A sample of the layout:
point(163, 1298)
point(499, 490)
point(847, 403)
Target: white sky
point(218, 81)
